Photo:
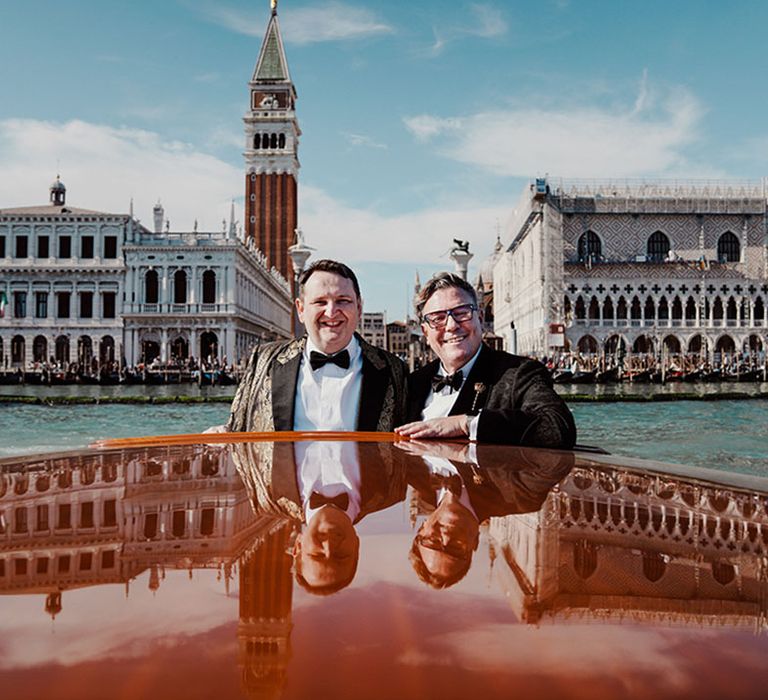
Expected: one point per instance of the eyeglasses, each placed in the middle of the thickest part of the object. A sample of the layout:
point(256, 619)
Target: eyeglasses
point(438, 319)
point(455, 549)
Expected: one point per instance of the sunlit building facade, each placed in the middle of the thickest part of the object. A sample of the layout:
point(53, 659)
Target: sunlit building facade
point(645, 267)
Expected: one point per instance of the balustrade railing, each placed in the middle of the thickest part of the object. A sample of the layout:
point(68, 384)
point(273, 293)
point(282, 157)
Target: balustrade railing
point(177, 308)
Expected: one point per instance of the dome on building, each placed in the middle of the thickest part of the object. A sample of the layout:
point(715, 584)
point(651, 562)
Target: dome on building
point(58, 192)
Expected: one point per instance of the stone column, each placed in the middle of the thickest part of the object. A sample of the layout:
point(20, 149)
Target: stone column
point(163, 291)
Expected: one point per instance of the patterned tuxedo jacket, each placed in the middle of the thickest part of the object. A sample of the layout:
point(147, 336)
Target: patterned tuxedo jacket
point(268, 470)
point(265, 398)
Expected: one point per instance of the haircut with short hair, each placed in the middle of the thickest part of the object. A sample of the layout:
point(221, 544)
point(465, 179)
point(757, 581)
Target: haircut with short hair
point(442, 280)
point(432, 580)
point(337, 268)
point(327, 589)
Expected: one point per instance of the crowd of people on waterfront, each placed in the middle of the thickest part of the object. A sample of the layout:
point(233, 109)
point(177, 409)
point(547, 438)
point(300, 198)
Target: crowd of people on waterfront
point(175, 370)
point(747, 366)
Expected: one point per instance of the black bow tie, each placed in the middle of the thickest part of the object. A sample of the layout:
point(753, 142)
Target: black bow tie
point(451, 483)
point(318, 500)
point(318, 360)
point(452, 380)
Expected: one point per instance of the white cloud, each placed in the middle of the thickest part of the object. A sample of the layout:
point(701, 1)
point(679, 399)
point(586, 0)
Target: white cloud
point(103, 167)
point(572, 141)
point(363, 141)
point(329, 21)
point(359, 235)
point(488, 22)
point(425, 126)
point(485, 21)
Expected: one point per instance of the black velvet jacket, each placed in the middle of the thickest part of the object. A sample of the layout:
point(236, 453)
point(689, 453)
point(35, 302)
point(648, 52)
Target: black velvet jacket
point(514, 397)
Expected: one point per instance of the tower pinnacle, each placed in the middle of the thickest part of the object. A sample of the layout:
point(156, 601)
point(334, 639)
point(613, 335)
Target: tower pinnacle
point(271, 153)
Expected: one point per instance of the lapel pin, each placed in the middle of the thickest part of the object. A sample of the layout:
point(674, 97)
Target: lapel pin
point(479, 389)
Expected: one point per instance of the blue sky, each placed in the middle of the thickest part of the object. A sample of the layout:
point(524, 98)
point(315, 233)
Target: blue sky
point(422, 121)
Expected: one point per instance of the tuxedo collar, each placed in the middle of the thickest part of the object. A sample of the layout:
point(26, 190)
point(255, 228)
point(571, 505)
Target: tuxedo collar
point(285, 376)
point(373, 389)
point(474, 392)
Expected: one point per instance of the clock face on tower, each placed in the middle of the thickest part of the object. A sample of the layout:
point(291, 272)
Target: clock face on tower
point(266, 100)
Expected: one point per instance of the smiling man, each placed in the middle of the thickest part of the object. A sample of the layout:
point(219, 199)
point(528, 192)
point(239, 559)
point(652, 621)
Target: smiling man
point(474, 391)
point(330, 379)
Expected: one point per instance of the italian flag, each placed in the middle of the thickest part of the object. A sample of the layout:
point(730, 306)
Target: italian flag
point(3, 304)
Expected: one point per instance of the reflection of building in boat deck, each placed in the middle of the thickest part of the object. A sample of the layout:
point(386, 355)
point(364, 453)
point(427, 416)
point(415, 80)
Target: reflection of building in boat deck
point(628, 545)
point(105, 518)
point(643, 267)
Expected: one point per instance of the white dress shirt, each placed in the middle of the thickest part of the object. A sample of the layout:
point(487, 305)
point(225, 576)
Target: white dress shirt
point(330, 469)
point(439, 404)
point(328, 398)
point(442, 467)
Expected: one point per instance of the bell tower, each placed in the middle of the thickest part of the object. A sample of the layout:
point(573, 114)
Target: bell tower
point(271, 153)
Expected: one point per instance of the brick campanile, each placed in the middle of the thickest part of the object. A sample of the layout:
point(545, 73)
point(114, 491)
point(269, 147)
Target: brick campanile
point(271, 153)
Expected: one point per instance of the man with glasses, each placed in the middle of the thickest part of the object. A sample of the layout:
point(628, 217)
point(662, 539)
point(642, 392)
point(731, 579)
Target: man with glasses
point(466, 484)
point(473, 391)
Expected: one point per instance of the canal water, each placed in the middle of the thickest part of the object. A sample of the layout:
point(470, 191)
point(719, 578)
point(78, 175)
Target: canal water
point(730, 435)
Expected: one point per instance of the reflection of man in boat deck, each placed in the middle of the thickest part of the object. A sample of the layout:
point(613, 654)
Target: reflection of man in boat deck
point(472, 390)
point(466, 485)
point(331, 379)
point(329, 486)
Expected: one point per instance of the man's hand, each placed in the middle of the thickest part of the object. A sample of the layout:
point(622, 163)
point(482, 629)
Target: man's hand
point(454, 451)
point(450, 426)
point(215, 429)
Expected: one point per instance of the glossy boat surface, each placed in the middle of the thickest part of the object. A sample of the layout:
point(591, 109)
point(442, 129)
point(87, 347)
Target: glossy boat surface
point(168, 571)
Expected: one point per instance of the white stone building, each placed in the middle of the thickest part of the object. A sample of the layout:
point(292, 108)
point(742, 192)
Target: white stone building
point(202, 294)
point(373, 328)
point(62, 271)
point(650, 267)
point(93, 287)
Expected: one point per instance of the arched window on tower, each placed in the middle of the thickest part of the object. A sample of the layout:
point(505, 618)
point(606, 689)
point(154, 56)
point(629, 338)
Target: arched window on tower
point(150, 287)
point(281, 141)
point(273, 141)
point(209, 287)
point(658, 247)
point(179, 287)
point(265, 140)
point(257, 141)
point(728, 248)
point(590, 247)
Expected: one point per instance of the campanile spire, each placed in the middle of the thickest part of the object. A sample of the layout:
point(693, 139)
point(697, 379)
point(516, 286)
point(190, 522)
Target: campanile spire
point(271, 152)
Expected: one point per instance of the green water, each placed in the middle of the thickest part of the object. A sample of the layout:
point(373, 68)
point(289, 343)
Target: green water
point(728, 435)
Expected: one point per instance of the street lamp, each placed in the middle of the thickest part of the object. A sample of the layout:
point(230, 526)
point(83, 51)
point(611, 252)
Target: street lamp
point(300, 253)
